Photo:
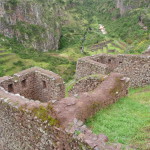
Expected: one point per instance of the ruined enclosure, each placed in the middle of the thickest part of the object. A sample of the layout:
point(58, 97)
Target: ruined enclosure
point(35, 84)
point(136, 67)
point(35, 115)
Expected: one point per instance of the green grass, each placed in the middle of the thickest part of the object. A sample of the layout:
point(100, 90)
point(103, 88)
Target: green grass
point(127, 121)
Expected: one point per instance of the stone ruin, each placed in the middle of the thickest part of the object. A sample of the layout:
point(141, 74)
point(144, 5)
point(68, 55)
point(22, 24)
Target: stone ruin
point(36, 84)
point(136, 67)
point(35, 114)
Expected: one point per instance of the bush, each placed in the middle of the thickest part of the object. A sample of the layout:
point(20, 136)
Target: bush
point(18, 63)
point(13, 2)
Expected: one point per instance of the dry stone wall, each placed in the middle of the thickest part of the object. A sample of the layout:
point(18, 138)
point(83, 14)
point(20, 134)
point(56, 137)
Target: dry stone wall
point(87, 66)
point(36, 84)
point(136, 67)
point(86, 84)
point(86, 104)
point(53, 125)
point(22, 126)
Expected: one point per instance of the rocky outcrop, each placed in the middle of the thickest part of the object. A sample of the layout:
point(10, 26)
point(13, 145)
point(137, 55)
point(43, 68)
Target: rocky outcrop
point(125, 5)
point(34, 23)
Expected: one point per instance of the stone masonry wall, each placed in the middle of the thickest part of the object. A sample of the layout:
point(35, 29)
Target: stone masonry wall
point(28, 125)
point(136, 67)
point(86, 84)
point(72, 112)
point(36, 84)
point(13, 84)
point(87, 66)
point(86, 104)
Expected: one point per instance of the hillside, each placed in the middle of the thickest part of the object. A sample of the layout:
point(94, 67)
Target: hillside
point(127, 24)
point(131, 26)
point(127, 121)
point(54, 34)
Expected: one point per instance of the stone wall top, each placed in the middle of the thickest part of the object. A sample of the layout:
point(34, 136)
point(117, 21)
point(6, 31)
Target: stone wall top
point(50, 74)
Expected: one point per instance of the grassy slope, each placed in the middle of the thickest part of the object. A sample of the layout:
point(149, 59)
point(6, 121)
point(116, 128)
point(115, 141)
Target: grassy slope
point(78, 19)
point(127, 121)
point(20, 58)
point(89, 14)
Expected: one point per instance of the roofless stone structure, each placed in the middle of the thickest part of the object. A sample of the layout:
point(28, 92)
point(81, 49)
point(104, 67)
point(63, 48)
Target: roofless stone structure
point(36, 115)
point(136, 67)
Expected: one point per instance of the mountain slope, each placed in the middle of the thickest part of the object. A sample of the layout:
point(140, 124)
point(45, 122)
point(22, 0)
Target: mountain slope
point(123, 19)
point(34, 23)
point(78, 30)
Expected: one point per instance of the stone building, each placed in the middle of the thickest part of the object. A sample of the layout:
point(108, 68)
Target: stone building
point(36, 84)
point(136, 67)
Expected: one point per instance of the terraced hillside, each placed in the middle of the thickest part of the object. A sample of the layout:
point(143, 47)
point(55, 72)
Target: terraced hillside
point(80, 35)
point(108, 47)
point(11, 62)
point(15, 57)
point(83, 19)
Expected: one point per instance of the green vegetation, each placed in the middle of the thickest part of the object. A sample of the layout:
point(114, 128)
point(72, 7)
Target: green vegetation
point(85, 17)
point(127, 121)
point(45, 115)
point(20, 58)
point(13, 2)
point(33, 32)
point(80, 32)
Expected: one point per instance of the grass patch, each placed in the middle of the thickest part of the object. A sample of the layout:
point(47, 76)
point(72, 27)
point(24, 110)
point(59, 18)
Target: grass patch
point(127, 121)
